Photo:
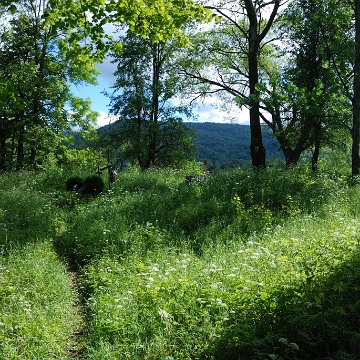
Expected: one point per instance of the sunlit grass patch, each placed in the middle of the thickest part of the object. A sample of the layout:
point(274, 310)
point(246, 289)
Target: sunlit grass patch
point(222, 268)
point(225, 303)
point(37, 305)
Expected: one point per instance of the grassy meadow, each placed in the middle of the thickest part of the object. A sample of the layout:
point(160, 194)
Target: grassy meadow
point(242, 265)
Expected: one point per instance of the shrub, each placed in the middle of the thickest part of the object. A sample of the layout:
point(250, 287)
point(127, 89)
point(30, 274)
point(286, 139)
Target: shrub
point(94, 185)
point(74, 183)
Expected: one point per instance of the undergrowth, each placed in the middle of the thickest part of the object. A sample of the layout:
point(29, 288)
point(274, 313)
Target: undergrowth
point(38, 316)
point(239, 265)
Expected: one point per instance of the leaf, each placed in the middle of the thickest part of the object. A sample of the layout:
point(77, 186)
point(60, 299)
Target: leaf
point(12, 9)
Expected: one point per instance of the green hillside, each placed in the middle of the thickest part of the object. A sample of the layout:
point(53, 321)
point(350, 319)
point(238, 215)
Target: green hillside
point(228, 143)
point(224, 145)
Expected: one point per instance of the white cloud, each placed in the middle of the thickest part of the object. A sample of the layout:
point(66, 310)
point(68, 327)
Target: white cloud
point(206, 113)
point(214, 111)
point(103, 119)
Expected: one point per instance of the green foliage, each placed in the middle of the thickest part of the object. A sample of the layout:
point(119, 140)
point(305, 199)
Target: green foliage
point(36, 102)
point(150, 129)
point(319, 92)
point(163, 207)
point(227, 145)
point(158, 22)
point(87, 158)
point(74, 183)
point(26, 210)
point(242, 264)
point(227, 303)
point(37, 305)
point(94, 185)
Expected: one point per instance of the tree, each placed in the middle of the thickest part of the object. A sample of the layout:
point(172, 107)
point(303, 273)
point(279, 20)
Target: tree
point(233, 50)
point(156, 20)
point(356, 96)
point(37, 104)
point(149, 125)
point(67, 38)
point(256, 35)
point(305, 98)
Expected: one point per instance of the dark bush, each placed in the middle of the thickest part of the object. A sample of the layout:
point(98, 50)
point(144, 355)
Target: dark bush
point(94, 185)
point(74, 183)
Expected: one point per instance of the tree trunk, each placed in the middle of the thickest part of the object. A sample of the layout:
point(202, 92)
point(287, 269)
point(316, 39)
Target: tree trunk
point(20, 149)
point(356, 96)
point(2, 154)
point(33, 156)
point(258, 154)
point(3, 147)
point(315, 157)
point(317, 135)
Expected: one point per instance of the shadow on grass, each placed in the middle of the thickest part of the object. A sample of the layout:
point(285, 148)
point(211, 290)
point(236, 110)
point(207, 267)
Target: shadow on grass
point(321, 323)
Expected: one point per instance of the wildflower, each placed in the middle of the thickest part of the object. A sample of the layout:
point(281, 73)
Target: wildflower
point(283, 341)
point(163, 313)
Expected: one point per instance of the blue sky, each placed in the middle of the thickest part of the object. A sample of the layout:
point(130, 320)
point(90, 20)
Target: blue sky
point(207, 111)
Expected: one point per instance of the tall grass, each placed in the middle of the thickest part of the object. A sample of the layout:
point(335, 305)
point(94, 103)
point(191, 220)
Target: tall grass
point(147, 211)
point(38, 316)
point(243, 264)
point(235, 301)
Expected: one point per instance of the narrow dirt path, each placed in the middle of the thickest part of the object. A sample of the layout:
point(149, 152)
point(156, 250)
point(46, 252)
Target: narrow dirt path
point(76, 345)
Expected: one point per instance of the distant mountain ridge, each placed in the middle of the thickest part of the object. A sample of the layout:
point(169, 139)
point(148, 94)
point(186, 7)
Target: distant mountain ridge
point(228, 144)
point(223, 145)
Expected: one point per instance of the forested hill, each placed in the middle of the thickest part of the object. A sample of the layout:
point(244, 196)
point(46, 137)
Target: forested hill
point(223, 145)
point(228, 144)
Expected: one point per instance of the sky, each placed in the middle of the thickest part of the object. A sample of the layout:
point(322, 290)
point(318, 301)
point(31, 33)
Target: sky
point(206, 111)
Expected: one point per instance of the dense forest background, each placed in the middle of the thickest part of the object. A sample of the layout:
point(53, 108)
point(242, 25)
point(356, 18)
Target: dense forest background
point(223, 145)
point(227, 145)
point(293, 65)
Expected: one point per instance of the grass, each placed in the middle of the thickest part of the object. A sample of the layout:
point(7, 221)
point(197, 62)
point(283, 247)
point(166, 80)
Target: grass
point(229, 301)
point(244, 265)
point(37, 305)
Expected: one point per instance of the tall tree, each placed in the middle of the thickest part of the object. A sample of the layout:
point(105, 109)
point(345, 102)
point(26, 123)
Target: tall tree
point(256, 34)
point(145, 86)
point(77, 31)
point(305, 98)
point(356, 96)
point(233, 49)
point(38, 104)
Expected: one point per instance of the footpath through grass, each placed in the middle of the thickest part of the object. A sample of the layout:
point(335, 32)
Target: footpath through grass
point(38, 315)
point(244, 265)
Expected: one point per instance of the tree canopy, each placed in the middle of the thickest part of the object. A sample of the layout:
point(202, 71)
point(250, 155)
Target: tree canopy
point(47, 45)
point(294, 68)
point(150, 128)
point(36, 102)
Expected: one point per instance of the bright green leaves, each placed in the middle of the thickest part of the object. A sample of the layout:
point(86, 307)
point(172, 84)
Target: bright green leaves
point(149, 123)
point(81, 115)
point(86, 21)
point(12, 9)
point(38, 60)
